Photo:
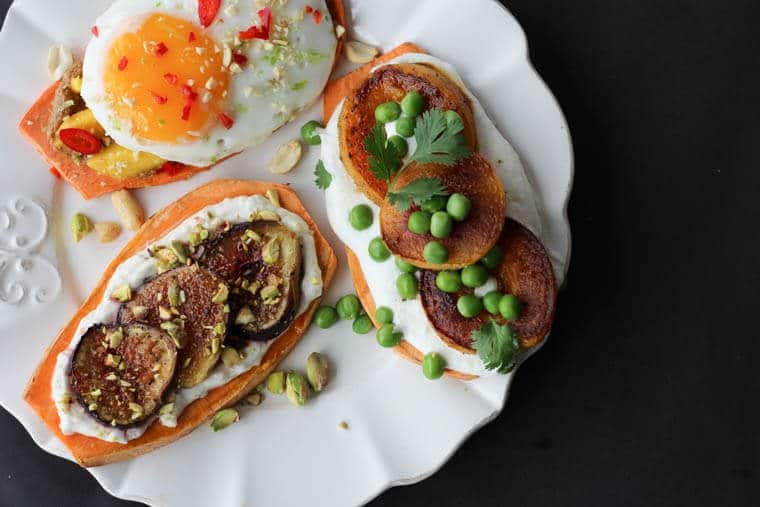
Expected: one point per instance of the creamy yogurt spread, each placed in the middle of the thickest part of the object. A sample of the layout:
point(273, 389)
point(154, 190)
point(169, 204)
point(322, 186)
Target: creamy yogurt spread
point(343, 195)
point(140, 267)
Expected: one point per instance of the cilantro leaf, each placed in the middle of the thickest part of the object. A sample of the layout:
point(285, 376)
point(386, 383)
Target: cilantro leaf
point(497, 346)
point(439, 141)
point(324, 178)
point(418, 192)
point(384, 158)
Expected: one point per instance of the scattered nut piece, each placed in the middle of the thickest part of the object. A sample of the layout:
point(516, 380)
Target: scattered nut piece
point(340, 30)
point(286, 158)
point(107, 231)
point(129, 210)
point(81, 226)
point(276, 382)
point(230, 357)
point(318, 371)
point(224, 419)
point(273, 197)
point(254, 399)
point(343, 425)
point(359, 52)
point(297, 389)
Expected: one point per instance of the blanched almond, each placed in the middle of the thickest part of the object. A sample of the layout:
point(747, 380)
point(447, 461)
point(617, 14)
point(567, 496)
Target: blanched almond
point(286, 158)
point(129, 210)
point(359, 52)
point(107, 231)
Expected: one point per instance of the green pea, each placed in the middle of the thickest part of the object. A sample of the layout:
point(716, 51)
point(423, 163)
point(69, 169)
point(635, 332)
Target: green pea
point(434, 204)
point(309, 133)
point(362, 325)
point(470, 306)
point(474, 276)
point(452, 116)
point(361, 217)
point(405, 126)
point(384, 315)
point(407, 286)
point(325, 317)
point(402, 147)
point(348, 307)
point(441, 224)
point(404, 266)
point(419, 222)
point(459, 207)
point(413, 104)
point(435, 253)
point(388, 112)
point(493, 258)
point(433, 366)
point(491, 302)
point(449, 281)
point(387, 336)
point(510, 307)
point(378, 251)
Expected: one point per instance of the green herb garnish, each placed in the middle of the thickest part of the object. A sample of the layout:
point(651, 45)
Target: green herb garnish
point(324, 178)
point(418, 192)
point(497, 346)
point(384, 158)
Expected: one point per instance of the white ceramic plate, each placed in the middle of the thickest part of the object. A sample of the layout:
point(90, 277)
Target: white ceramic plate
point(402, 427)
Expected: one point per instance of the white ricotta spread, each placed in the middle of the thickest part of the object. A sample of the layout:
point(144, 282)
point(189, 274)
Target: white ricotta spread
point(140, 267)
point(342, 195)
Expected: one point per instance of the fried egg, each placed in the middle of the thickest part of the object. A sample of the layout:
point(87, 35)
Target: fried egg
point(161, 82)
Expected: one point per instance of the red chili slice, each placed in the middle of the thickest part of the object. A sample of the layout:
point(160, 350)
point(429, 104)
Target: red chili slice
point(55, 173)
point(191, 37)
point(123, 63)
point(80, 141)
point(240, 59)
point(317, 17)
point(158, 99)
point(226, 121)
point(170, 78)
point(259, 32)
point(309, 9)
point(160, 49)
point(207, 11)
point(188, 93)
point(172, 168)
point(186, 110)
point(95, 30)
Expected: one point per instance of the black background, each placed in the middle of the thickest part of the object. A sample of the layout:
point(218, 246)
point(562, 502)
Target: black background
point(647, 392)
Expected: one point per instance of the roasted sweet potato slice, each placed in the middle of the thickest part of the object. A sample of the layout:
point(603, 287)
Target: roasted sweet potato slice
point(525, 272)
point(120, 374)
point(470, 240)
point(181, 302)
point(261, 261)
point(392, 83)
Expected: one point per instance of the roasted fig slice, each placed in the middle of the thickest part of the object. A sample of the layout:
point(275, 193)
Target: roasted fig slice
point(392, 83)
point(262, 263)
point(469, 240)
point(120, 374)
point(188, 304)
point(526, 272)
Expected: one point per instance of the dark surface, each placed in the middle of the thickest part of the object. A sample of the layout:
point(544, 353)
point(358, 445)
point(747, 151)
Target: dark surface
point(647, 393)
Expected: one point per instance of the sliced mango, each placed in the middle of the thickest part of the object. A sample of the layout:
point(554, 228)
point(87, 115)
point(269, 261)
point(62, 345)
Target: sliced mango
point(119, 162)
point(76, 84)
point(84, 120)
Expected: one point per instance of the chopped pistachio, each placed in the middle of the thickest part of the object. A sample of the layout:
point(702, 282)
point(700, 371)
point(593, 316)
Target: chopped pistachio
point(251, 235)
point(265, 215)
point(276, 382)
point(81, 226)
point(254, 399)
point(137, 410)
point(244, 317)
point(224, 419)
point(273, 197)
point(230, 357)
point(215, 344)
point(270, 293)
point(221, 295)
point(220, 329)
point(96, 393)
point(92, 407)
point(122, 293)
point(115, 338)
point(297, 388)
point(112, 377)
point(166, 409)
point(317, 371)
point(173, 293)
point(271, 251)
point(166, 259)
point(140, 312)
point(112, 360)
point(180, 250)
point(174, 331)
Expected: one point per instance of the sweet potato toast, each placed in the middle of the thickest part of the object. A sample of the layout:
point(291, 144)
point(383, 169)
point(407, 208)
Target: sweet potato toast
point(93, 452)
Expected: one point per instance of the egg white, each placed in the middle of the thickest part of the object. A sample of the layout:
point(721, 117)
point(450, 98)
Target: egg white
point(256, 114)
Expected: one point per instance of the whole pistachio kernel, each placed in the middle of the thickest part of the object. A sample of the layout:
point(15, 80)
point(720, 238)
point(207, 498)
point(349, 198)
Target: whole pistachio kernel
point(276, 382)
point(180, 250)
point(244, 317)
point(221, 295)
point(271, 251)
point(230, 357)
point(81, 226)
point(297, 389)
point(224, 419)
point(123, 293)
point(317, 371)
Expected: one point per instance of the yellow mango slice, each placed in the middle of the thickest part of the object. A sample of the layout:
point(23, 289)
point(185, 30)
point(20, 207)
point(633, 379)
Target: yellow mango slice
point(119, 162)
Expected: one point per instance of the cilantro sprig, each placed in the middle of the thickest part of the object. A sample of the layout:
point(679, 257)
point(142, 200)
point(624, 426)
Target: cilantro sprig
point(324, 178)
point(440, 140)
point(497, 346)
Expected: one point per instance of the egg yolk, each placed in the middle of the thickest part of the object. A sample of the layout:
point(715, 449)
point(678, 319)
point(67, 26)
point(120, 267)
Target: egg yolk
point(167, 79)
